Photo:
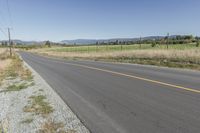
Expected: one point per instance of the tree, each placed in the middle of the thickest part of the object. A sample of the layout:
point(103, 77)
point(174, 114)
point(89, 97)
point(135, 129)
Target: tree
point(197, 45)
point(188, 37)
point(153, 44)
point(117, 42)
point(178, 37)
point(48, 44)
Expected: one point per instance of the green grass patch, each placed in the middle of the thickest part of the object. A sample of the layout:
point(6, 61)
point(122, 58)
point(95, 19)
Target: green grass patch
point(111, 48)
point(18, 87)
point(39, 106)
point(41, 90)
point(27, 121)
point(15, 87)
point(32, 84)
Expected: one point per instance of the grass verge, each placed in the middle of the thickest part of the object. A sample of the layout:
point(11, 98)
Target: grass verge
point(14, 69)
point(173, 62)
point(16, 87)
point(178, 56)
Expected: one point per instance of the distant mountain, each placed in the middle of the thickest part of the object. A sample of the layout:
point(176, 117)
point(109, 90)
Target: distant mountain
point(90, 41)
point(24, 42)
point(93, 41)
point(80, 41)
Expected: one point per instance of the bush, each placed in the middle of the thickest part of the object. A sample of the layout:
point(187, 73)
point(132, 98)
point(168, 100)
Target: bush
point(197, 45)
point(153, 44)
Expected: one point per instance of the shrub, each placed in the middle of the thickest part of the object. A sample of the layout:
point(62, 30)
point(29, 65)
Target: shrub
point(153, 44)
point(197, 45)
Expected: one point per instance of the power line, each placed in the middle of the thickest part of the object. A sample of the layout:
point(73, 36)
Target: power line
point(4, 33)
point(9, 13)
point(3, 20)
point(10, 16)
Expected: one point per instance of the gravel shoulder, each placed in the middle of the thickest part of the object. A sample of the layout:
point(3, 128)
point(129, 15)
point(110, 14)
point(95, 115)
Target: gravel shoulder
point(36, 107)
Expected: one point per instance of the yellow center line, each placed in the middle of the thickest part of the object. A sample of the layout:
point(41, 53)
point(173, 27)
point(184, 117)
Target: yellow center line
point(132, 76)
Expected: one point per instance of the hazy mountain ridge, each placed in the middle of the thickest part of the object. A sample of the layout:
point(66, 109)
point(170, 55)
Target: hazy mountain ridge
point(23, 42)
point(93, 41)
point(89, 41)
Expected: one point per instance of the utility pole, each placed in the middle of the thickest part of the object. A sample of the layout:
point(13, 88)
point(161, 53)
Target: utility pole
point(140, 42)
point(97, 46)
point(9, 42)
point(167, 40)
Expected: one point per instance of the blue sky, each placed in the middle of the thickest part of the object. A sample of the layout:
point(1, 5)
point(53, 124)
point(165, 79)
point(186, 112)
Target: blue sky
point(57, 20)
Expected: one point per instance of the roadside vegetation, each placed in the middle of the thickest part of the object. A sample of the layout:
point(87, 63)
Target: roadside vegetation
point(26, 99)
point(177, 55)
point(14, 77)
point(5, 61)
point(51, 126)
point(12, 67)
point(38, 105)
point(27, 120)
point(176, 51)
point(15, 87)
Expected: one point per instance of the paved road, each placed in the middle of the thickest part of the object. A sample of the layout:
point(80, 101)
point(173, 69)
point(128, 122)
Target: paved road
point(124, 98)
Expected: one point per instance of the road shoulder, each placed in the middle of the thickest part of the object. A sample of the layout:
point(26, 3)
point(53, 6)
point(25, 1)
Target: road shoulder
point(36, 108)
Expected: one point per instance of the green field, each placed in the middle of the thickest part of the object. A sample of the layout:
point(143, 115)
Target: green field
point(111, 48)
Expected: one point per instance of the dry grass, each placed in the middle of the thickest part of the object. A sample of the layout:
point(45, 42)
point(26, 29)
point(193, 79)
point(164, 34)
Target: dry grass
point(4, 53)
point(16, 69)
point(3, 65)
point(184, 58)
point(12, 66)
point(133, 53)
point(54, 127)
point(4, 125)
point(5, 62)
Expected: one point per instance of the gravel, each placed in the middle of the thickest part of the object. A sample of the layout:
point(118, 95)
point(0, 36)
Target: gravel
point(13, 118)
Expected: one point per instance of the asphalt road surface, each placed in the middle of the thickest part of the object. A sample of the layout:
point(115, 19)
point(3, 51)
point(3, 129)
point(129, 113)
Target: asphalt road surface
point(124, 98)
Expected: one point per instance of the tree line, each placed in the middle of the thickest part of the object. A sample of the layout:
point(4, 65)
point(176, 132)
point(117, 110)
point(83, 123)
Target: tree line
point(169, 40)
